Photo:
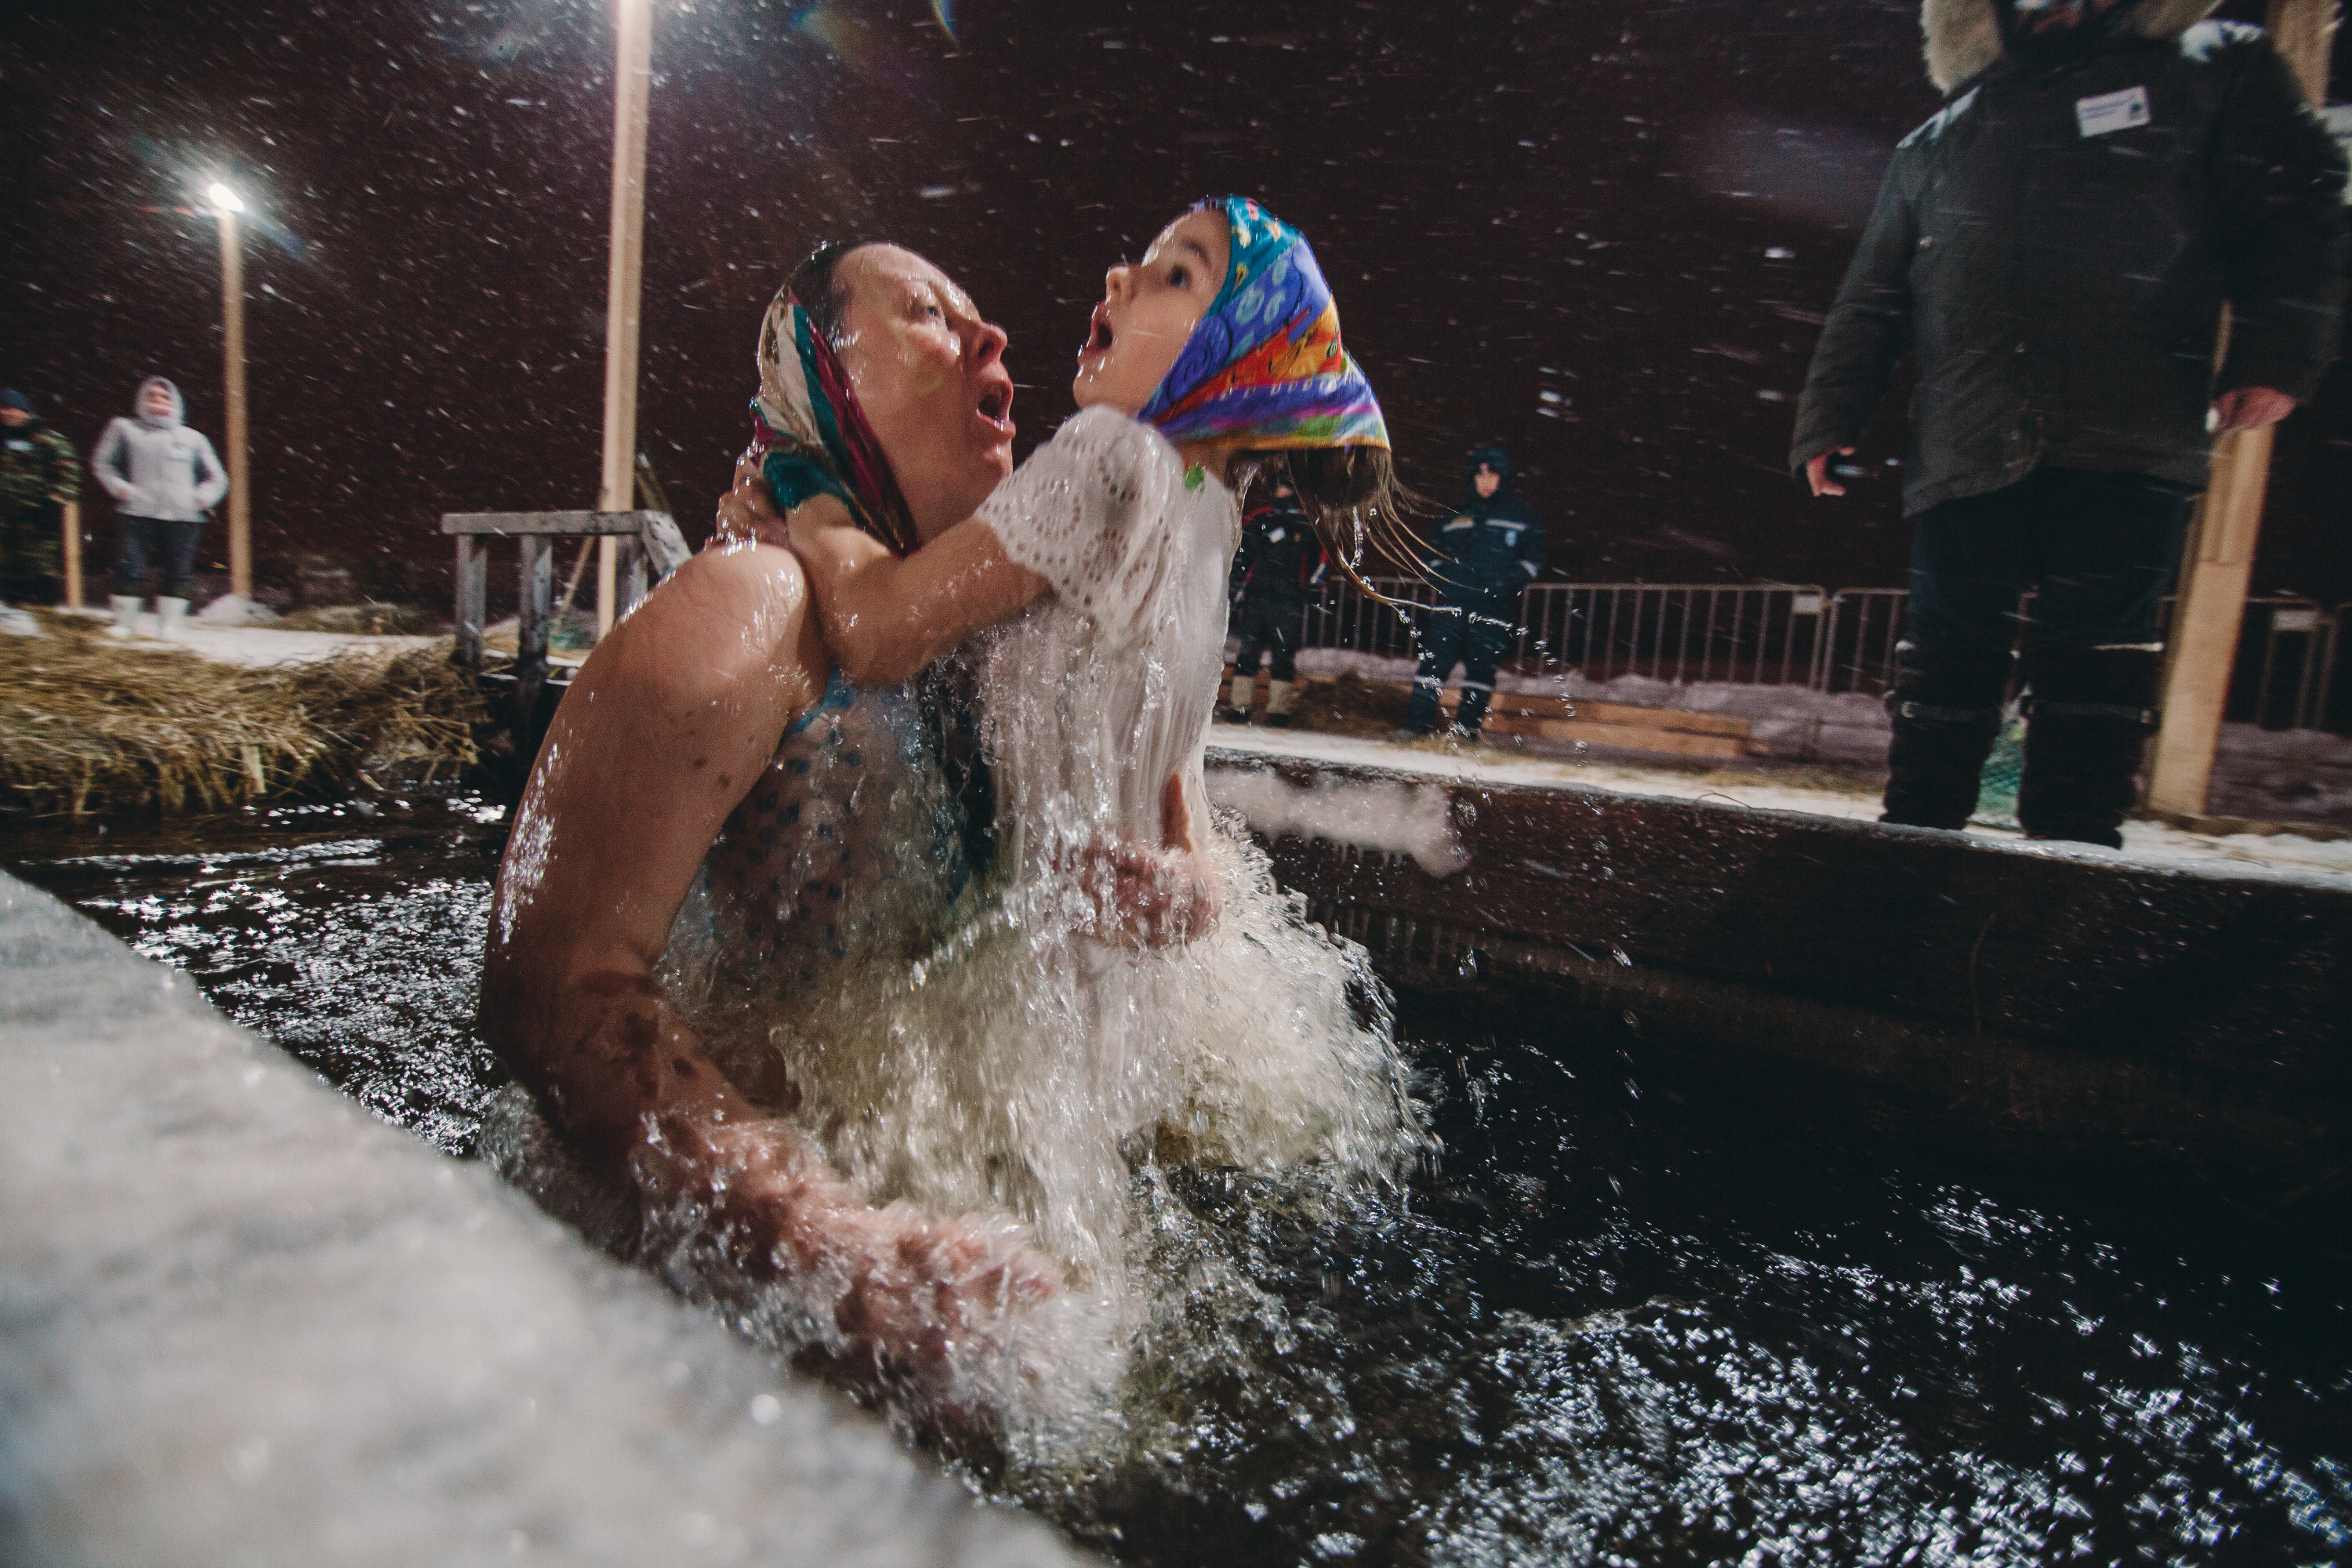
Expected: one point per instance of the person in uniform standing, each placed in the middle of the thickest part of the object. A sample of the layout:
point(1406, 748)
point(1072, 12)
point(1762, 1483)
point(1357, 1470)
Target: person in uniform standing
point(1482, 561)
point(1280, 563)
point(39, 475)
point(2053, 250)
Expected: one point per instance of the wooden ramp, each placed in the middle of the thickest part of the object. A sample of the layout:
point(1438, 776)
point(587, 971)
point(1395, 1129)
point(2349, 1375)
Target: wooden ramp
point(1998, 998)
point(1618, 725)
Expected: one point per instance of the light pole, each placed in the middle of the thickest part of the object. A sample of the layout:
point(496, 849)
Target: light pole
point(632, 84)
point(227, 205)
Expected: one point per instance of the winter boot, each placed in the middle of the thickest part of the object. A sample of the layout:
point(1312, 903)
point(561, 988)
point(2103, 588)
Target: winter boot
point(1472, 714)
point(1237, 708)
point(2088, 715)
point(1279, 696)
point(1945, 708)
point(170, 614)
point(126, 617)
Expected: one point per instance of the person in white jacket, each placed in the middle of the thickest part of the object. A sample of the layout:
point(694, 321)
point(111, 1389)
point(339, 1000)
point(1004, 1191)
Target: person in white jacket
point(164, 479)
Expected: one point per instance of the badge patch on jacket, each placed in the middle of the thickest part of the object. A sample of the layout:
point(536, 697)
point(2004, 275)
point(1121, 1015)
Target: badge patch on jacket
point(2111, 111)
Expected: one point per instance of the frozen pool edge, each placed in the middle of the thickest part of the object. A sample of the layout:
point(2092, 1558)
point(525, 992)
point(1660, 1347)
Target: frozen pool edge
point(240, 1319)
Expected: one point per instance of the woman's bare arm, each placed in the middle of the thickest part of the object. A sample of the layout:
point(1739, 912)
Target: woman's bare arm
point(673, 719)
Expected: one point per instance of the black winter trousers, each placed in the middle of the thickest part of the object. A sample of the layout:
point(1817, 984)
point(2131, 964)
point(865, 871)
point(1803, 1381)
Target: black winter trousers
point(2098, 551)
point(1268, 628)
point(1480, 635)
point(135, 536)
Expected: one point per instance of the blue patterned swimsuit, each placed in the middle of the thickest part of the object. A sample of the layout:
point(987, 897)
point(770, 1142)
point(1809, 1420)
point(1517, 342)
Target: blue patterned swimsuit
point(849, 850)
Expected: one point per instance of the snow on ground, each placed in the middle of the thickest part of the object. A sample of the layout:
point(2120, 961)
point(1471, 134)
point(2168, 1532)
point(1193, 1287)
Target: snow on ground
point(2264, 775)
point(2283, 855)
point(262, 645)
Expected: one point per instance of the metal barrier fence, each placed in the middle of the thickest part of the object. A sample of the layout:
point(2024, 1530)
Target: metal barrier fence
point(1788, 634)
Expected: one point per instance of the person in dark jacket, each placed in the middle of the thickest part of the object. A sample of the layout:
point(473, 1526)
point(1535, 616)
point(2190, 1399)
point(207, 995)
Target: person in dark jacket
point(1482, 560)
point(1279, 563)
point(2053, 250)
point(39, 473)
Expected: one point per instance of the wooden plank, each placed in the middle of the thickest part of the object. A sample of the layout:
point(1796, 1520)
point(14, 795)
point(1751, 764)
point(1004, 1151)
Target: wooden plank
point(1624, 737)
point(2211, 605)
point(574, 523)
point(1523, 705)
point(70, 521)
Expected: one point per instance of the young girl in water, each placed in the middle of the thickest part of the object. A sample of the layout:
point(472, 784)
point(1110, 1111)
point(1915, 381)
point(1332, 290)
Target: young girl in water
point(1217, 354)
point(1022, 1063)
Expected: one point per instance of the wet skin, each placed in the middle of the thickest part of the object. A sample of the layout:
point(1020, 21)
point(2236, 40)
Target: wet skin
point(886, 619)
point(672, 721)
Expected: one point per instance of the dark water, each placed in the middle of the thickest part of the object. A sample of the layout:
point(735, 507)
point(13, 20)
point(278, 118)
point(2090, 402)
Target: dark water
point(1623, 1321)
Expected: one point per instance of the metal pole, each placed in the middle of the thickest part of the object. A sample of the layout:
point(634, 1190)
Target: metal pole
point(240, 503)
point(2220, 562)
point(632, 85)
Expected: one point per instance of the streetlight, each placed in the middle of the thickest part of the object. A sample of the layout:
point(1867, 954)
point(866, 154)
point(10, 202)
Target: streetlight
point(227, 205)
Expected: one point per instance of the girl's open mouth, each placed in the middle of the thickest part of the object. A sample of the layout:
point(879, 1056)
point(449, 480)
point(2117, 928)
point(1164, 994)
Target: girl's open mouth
point(1098, 333)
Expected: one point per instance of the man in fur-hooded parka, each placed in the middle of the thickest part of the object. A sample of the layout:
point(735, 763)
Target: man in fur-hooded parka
point(2053, 250)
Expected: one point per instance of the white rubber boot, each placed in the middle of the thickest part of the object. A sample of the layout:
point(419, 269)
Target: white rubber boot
point(1279, 696)
point(126, 617)
point(169, 614)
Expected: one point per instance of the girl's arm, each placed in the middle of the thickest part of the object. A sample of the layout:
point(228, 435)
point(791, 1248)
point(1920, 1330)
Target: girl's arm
point(886, 619)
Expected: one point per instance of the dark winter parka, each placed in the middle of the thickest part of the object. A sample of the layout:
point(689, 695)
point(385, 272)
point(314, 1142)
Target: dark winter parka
point(1492, 547)
point(2054, 249)
point(1280, 558)
point(38, 469)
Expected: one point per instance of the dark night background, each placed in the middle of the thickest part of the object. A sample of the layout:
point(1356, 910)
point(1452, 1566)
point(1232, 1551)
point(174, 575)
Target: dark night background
point(1635, 208)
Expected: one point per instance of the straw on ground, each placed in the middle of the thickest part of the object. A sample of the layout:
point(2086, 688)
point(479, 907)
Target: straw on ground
point(89, 726)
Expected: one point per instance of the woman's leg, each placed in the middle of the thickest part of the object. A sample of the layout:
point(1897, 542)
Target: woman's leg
point(179, 542)
point(131, 536)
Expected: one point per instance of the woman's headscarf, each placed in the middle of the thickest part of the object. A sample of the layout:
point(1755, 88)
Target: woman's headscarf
point(1265, 369)
point(807, 422)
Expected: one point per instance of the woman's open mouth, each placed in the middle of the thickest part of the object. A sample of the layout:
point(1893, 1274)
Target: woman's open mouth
point(996, 408)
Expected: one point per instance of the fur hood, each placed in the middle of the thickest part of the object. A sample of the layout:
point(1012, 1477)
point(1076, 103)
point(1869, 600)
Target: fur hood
point(1964, 36)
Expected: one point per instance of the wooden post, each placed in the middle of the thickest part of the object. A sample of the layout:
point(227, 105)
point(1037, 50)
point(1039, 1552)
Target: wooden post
point(473, 596)
point(631, 87)
point(71, 525)
point(240, 501)
point(2220, 562)
point(534, 597)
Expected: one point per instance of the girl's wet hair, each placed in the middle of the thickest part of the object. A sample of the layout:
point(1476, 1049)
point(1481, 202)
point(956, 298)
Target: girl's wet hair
point(1352, 496)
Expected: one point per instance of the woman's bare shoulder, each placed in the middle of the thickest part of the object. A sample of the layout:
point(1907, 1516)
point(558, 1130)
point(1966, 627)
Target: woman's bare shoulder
point(726, 613)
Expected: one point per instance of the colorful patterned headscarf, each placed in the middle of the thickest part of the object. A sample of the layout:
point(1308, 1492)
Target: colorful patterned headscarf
point(807, 422)
point(1264, 368)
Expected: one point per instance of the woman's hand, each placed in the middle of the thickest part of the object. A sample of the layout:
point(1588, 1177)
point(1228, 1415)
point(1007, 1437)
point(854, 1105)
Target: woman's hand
point(909, 1290)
